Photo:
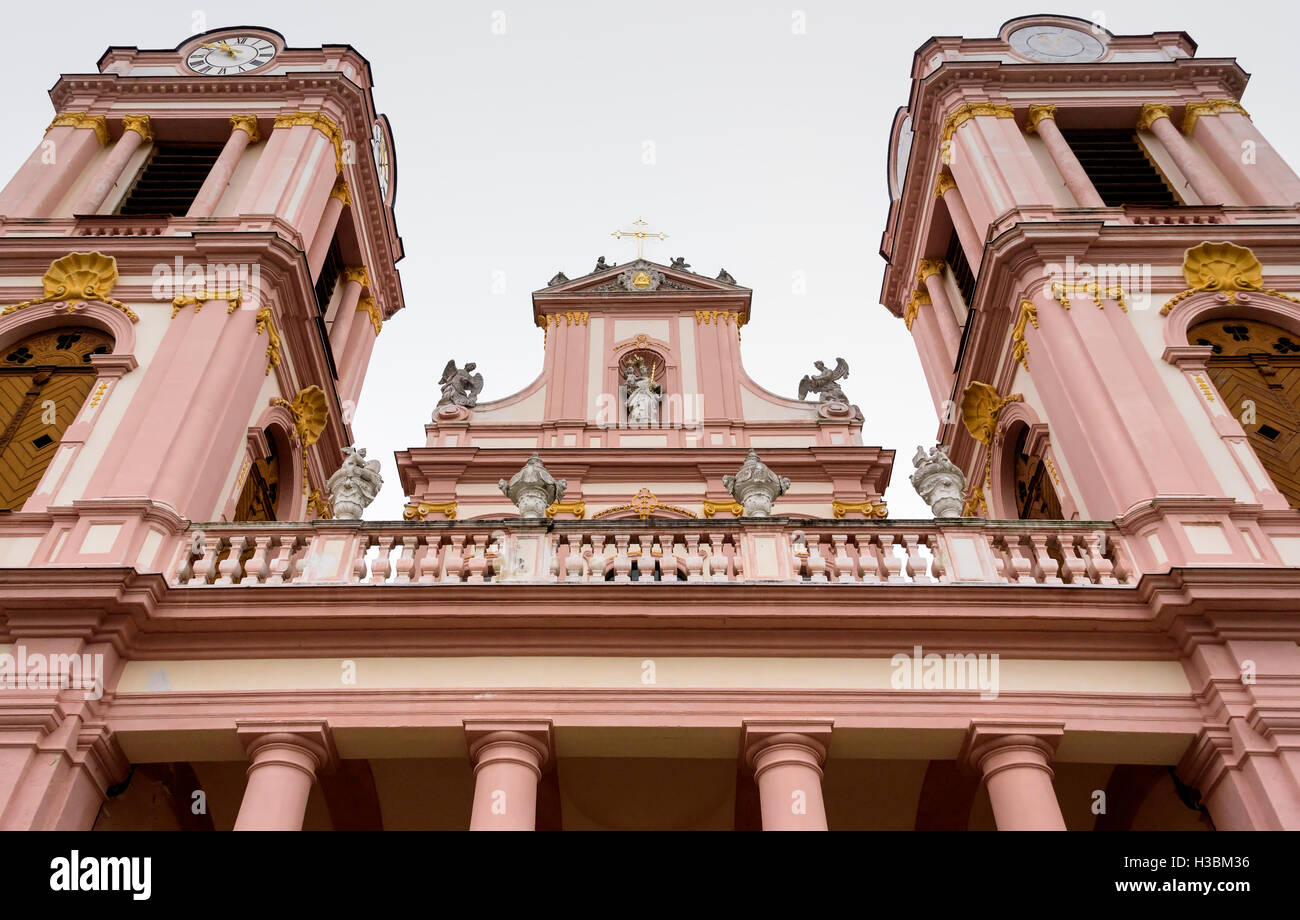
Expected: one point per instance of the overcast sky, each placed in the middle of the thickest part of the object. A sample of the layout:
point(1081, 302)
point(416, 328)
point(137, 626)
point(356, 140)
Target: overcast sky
point(520, 152)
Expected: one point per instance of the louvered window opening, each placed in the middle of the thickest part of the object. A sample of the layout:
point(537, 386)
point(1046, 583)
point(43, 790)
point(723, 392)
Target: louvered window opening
point(170, 180)
point(1120, 169)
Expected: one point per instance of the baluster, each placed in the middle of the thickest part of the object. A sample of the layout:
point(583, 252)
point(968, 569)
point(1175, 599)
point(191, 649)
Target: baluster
point(694, 564)
point(380, 569)
point(622, 564)
point(1075, 569)
point(717, 558)
point(1123, 569)
point(430, 558)
point(497, 557)
point(798, 555)
point(892, 564)
point(816, 564)
point(477, 564)
point(454, 558)
point(939, 553)
point(205, 568)
point(255, 571)
point(737, 558)
point(596, 562)
point(301, 559)
point(1020, 564)
point(185, 570)
point(280, 567)
point(406, 562)
point(553, 552)
point(1046, 569)
point(1099, 567)
point(359, 561)
point(869, 565)
point(842, 564)
point(915, 564)
point(574, 565)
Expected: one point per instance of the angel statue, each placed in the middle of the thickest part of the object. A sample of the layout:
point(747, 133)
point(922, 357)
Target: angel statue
point(354, 485)
point(460, 387)
point(823, 383)
point(642, 396)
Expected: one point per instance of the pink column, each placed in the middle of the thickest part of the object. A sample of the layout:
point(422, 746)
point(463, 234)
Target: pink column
point(508, 758)
point(70, 143)
point(354, 279)
point(1226, 133)
point(1042, 118)
point(356, 358)
point(284, 765)
point(136, 129)
point(1014, 762)
point(787, 761)
point(339, 198)
point(930, 273)
point(243, 131)
point(972, 242)
point(1155, 118)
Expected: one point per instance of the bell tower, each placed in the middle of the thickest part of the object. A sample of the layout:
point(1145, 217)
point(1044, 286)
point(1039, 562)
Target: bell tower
point(199, 255)
point(1092, 244)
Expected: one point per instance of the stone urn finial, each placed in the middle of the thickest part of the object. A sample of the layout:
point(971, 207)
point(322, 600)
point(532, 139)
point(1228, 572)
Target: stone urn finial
point(354, 485)
point(533, 489)
point(755, 486)
point(938, 481)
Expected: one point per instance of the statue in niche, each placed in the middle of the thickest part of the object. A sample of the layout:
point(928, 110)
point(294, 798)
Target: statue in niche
point(354, 485)
point(643, 395)
point(460, 387)
point(824, 384)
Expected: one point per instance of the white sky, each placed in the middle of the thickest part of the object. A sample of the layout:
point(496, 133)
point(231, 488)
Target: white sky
point(520, 153)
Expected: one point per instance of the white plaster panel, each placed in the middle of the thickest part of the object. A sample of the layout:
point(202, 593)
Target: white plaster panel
point(530, 409)
point(1207, 539)
point(502, 442)
point(686, 329)
point(625, 329)
point(783, 440)
point(484, 673)
point(758, 409)
point(100, 538)
point(643, 440)
point(595, 352)
point(16, 552)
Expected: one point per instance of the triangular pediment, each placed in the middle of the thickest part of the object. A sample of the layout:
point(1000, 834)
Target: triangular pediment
point(641, 276)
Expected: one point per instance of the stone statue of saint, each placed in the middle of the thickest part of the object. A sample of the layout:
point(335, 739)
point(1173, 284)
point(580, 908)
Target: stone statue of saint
point(354, 485)
point(642, 396)
point(460, 387)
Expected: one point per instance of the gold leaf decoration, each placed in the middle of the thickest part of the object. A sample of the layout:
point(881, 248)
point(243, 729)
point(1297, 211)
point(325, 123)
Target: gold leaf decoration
point(78, 277)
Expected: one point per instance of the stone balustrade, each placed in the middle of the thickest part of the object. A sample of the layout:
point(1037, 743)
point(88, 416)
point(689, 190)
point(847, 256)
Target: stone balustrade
point(653, 551)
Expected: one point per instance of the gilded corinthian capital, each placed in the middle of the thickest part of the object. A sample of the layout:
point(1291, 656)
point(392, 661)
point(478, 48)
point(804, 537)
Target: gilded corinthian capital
point(247, 124)
point(1150, 112)
point(1036, 114)
point(140, 124)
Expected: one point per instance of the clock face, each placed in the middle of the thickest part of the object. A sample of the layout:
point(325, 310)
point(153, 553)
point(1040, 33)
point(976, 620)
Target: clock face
point(1056, 45)
point(233, 54)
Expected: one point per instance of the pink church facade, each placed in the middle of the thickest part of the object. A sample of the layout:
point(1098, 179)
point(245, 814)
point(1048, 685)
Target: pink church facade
point(700, 615)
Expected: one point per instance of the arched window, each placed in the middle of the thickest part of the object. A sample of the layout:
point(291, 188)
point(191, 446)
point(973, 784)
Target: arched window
point(1029, 483)
point(1256, 368)
point(260, 498)
point(44, 381)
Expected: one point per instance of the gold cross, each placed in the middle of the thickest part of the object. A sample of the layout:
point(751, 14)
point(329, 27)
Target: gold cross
point(640, 234)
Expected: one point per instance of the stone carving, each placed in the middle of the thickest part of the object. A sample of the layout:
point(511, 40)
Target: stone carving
point(641, 277)
point(459, 386)
point(560, 278)
point(824, 383)
point(354, 485)
point(680, 264)
point(725, 276)
point(938, 481)
point(755, 486)
point(643, 396)
point(602, 265)
point(533, 489)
